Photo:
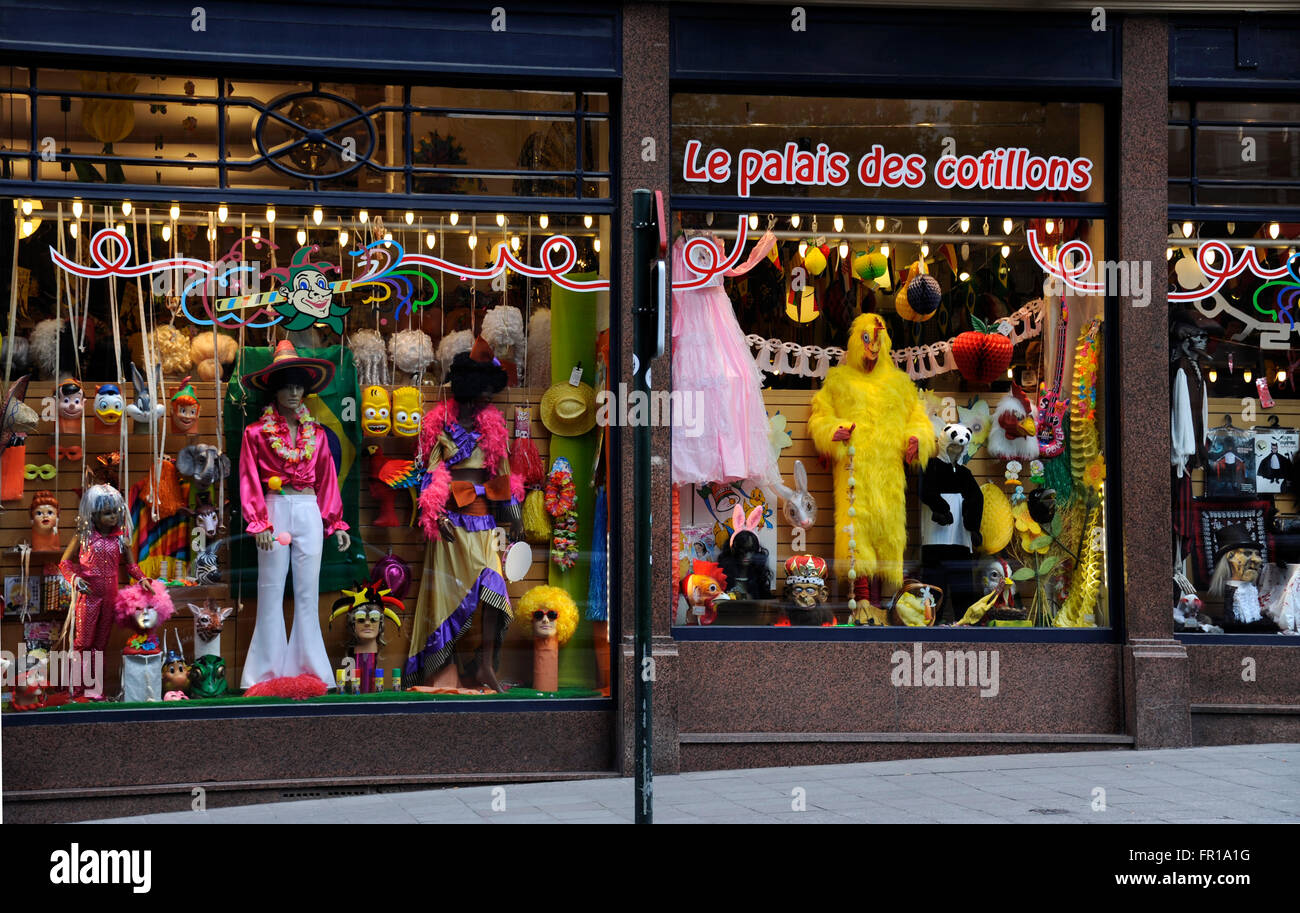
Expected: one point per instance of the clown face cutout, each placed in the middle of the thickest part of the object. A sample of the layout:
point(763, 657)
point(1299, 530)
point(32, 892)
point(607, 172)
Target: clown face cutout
point(545, 623)
point(406, 411)
point(306, 297)
point(375, 412)
point(109, 404)
point(310, 293)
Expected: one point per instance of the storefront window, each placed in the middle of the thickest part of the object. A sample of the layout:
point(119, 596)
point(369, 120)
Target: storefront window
point(899, 420)
point(435, 521)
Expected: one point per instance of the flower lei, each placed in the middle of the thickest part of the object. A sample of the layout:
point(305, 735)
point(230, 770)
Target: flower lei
point(276, 428)
point(561, 498)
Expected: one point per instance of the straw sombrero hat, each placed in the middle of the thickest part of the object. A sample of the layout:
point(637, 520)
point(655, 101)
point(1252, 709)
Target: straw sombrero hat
point(16, 417)
point(319, 372)
point(567, 410)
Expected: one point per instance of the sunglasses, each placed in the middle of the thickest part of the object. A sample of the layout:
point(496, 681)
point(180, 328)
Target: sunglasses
point(550, 616)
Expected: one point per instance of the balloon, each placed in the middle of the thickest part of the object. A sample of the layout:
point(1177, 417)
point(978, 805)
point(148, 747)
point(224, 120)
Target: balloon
point(284, 538)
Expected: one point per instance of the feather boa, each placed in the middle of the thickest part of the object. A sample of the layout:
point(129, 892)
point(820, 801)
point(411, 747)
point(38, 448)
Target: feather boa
point(493, 441)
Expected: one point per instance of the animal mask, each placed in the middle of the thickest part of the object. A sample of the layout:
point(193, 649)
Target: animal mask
point(109, 404)
point(208, 677)
point(203, 463)
point(143, 410)
point(375, 412)
point(406, 411)
point(869, 342)
point(209, 620)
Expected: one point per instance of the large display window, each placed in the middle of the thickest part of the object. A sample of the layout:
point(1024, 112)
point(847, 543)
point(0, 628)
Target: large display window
point(303, 448)
point(899, 410)
point(1234, 280)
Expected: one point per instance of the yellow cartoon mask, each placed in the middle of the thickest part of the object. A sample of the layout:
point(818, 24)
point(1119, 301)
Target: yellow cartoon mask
point(375, 412)
point(868, 342)
point(406, 411)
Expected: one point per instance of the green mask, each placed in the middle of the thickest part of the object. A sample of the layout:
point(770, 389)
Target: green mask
point(208, 677)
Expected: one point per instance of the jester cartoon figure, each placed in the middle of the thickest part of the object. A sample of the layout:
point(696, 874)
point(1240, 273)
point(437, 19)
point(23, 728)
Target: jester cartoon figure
point(869, 421)
point(306, 297)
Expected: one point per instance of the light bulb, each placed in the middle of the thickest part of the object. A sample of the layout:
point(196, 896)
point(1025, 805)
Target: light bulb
point(174, 212)
point(1232, 226)
point(1246, 376)
point(1049, 226)
point(884, 251)
point(302, 236)
point(1169, 253)
point(803, 248)
point(410, 217)
point(1214, 375)
point(1281, 376)
point(965, 251)
point(501, 220)
point(473, 241)
point(429, 240)
point(26, 206)
point(1007, 225)
point(257, 234)
point(922, 225)
point(28, 228)
point(963, 276)
point(343, 237)
point(844, 249)
point(839, 222)
point(167, 233)
point(1006, 251)
point(925, 250)
point(1187, 229)
point(454, 218)
point(965, 225)
point(317, 215)
point(212, 234)
point(794, 220)
point(126, 208)
point(72, 229)
point(388, 236)
point(270, 215)
point(596, 244)
point(120, 228)
point(76, 209)
point(543, 220)
point(514, 243)
point(753, 221)
point(363, 217)
point(880, 223)
point(1273, 230)
point(223, 211)
point(1011, 373)
point(586, 221)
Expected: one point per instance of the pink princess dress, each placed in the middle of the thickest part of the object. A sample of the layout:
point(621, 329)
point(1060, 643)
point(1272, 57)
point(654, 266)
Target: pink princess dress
point(722, 432)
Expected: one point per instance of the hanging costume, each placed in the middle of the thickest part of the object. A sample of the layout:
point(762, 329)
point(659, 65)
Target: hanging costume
point(713, 365)
point(460, 574)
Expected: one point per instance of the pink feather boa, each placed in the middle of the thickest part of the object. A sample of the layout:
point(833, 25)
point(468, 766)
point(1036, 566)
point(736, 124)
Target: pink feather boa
point(494, 441)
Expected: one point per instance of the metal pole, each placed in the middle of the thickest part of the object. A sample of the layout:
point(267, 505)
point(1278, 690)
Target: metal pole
point(644, 307)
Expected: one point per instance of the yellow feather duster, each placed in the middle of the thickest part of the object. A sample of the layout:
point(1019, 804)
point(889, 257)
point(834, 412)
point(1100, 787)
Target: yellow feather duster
point(884, 409)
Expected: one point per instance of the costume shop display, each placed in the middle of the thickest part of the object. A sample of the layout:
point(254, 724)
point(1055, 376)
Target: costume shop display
point(463, 608)
point(288, 484)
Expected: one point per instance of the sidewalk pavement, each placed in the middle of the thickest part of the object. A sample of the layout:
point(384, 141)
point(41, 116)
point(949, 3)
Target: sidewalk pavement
point(1220, 785)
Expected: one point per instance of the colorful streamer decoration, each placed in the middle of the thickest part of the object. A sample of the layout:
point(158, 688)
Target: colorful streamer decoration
point(1286, 294)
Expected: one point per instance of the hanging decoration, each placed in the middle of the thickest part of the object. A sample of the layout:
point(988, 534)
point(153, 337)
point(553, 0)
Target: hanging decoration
point(937, 358)
point(774, 356)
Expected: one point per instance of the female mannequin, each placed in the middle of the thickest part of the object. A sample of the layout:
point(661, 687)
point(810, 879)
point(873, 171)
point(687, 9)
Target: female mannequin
point(290, 492)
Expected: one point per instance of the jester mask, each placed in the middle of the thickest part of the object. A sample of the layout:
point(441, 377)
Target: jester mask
point(306, 297)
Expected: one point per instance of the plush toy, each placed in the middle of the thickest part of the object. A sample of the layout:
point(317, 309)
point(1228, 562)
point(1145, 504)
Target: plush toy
point(806, 592)
point(917, 604)
point(951, 531)
point(185, 408)
point(142, 608)
point(366, 607)
point(869, 421)
point(376, 412)
point(1014, 433)
point(109, 407)
point(407, 405)
point(552, 616)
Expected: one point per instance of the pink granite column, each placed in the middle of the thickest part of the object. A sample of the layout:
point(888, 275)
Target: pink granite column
point(645, 113)
point(1156, 684)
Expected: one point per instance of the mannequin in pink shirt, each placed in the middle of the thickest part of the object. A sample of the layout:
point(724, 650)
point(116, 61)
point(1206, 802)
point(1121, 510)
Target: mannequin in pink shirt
point(289, 489)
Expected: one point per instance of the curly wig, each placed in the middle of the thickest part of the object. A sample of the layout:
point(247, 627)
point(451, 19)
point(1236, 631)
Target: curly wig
point(547, 598)
point(471, 379)
point(452, 345)
point(151, 593)
point(503, 327)
point(412, 351)
point(372, 362)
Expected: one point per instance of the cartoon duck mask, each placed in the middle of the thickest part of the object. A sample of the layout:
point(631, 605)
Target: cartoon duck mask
point(375, 412)
point(109, 404)
point(406, 411)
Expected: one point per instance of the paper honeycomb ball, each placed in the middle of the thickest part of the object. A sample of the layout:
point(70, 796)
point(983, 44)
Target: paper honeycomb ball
point(905, 310)
point(814, 261)
point(869, 265)
point(924, 295)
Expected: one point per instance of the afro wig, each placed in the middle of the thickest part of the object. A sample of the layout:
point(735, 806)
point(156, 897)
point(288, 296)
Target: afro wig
point(547, 598)
point(471, 379)
point(148, 594)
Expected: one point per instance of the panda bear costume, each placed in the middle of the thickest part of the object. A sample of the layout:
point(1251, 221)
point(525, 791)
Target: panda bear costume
point(951, 531)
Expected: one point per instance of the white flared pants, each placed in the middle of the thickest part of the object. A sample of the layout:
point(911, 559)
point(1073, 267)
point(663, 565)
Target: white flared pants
point(273, 654)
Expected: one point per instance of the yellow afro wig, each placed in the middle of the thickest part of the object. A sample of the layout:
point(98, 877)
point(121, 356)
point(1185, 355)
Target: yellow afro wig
point(547, 598)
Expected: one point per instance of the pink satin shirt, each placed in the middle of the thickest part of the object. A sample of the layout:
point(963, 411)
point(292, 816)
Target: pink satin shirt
point(258, 462)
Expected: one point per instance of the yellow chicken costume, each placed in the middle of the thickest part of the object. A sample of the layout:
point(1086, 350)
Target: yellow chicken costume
point(880, 410)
